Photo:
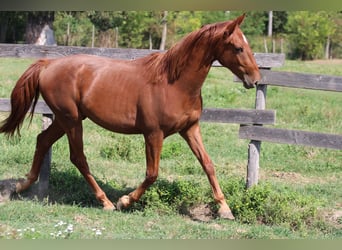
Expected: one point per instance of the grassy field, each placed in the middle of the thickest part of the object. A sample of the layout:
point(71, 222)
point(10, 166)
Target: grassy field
point(299, 194)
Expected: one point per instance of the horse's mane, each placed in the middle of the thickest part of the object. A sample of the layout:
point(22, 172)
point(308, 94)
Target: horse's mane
point(177, 57)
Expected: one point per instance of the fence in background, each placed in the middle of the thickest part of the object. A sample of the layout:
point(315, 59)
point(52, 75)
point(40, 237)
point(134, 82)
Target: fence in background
point(251, 120)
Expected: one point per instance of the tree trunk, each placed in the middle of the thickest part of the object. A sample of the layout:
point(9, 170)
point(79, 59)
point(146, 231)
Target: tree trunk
point(116, 37)
point(3, 27)
point(164, 33)
point(270, 23)
point(150, 41)
point(39, 28)
point(327, 48)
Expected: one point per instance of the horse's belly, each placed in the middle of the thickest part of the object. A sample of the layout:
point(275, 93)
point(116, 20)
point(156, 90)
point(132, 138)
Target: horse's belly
point(117, 123)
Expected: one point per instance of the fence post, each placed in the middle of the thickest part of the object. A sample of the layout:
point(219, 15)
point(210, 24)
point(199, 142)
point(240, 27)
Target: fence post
point(43, 184)
point(254, 146)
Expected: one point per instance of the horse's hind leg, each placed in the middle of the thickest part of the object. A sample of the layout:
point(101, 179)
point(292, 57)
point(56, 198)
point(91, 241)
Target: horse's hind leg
point(44, 141)
point(194, 139)
point(78, 158)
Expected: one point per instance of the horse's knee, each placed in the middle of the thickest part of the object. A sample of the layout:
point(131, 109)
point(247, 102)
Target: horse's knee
point(151, 178)
point(41, 141)
point(74, 160)
point(78, 160)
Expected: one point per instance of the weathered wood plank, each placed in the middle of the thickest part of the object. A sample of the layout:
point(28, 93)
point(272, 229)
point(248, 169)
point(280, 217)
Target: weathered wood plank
point(286, 136)
point(45, 169)
point(264, 60)
point(254, 145)
point(301, 80)
point(240, 116)
point(37, 51)
point(41, 107)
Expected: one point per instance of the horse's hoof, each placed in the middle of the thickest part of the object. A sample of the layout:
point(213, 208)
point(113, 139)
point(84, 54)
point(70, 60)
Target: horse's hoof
point(123, 202)
point(109, 208)
point(21, 185)
point(228, 215)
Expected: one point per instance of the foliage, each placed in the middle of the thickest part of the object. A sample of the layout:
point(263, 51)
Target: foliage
point(254, 23)
point(80, 28)
point(279, 22)
point(271, 205)
point(336, 37)
point(12, 26)
point(308, 32)
point(125, 148)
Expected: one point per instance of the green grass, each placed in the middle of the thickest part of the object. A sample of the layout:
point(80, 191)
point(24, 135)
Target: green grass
point(298, 192)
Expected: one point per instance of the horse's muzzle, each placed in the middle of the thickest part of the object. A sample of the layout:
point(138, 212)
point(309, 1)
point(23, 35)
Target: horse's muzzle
point(250, 82)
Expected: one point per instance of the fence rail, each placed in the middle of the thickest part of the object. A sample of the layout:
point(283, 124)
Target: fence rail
point(251, 120)
point(296, 80)
point(288, 136)
point(239, 116)
point(301, 80)
point(264, 60)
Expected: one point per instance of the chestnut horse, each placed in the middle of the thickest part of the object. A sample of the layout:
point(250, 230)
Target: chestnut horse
point(157, 95)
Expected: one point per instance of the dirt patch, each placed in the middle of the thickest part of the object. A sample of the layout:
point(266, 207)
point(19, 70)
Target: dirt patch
point(201, 212)
point(334, 217)
point(7, 189)
point(288, 177)
point(293, 177)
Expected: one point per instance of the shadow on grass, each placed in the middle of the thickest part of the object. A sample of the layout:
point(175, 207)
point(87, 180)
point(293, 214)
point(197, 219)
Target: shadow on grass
point(68, 187)
point(65, 187)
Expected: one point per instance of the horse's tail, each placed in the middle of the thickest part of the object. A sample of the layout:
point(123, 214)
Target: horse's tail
point(23, 94)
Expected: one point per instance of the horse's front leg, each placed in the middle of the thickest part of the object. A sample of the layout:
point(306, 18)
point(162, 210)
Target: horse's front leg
point(153, 147)
point(194, 139)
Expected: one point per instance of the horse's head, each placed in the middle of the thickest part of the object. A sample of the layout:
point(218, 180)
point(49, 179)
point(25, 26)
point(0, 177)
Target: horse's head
point(235, 53)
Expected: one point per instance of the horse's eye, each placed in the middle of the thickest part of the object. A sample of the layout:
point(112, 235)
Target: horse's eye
point(238, 49)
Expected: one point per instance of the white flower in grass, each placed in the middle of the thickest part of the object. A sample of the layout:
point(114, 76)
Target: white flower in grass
point(97, 231)
point(70, 228)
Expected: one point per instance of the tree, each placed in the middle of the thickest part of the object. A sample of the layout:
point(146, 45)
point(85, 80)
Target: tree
point(335, 49)
point(255, 22)
point(270, 24)
point(73, 28)
point(12, 26)
point(279, 21)
point(135, 30)
point(164, 33)
point(37, 22)
point(308, 33)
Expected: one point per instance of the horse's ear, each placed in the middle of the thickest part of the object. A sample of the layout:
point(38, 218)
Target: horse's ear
point(232, 25)
point(240, 19)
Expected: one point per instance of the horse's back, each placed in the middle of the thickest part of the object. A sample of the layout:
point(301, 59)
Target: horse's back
point(105, 90)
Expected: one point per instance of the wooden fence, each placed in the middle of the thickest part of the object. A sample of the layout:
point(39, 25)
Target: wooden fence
point(251, 120)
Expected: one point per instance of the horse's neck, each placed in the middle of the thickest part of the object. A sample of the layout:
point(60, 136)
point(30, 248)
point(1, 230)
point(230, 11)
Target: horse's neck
point(187, 63)
point(195, 71)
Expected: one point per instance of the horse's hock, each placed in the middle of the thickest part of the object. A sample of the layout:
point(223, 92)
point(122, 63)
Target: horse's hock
point(251, 121)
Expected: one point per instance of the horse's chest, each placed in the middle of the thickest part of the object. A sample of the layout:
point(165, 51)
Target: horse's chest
point(177, 120)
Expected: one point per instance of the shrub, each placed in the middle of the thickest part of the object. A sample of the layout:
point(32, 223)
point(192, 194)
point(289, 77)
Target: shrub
point(264, 203)
point(127, 148)
point(271, 205)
